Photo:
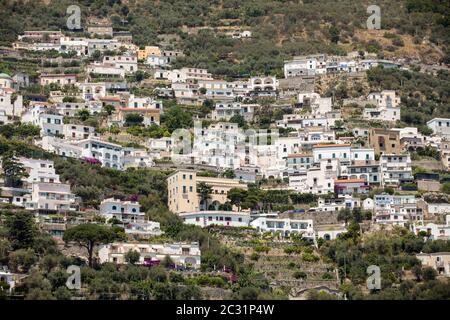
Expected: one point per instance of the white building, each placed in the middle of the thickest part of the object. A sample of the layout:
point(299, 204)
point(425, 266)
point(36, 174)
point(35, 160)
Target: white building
point(77, 132)
point(386, 106)
point(438, 208)
point(51, 124)
point(144, 103)
point(264, 83)
point(125, 211)
point(144, 229)
point(221, 218)
point(11, 104)
point(440, 126)
point(157, 61)
point(305, 66)
point(216, 89)
point(51, 196)
point(183, 75)
point(284, 226)
point(127, 63)
point(395, 210)
point(433, 230)
point(225, 111)
point(318, 105)
point(105, 69)
point(187, 254)
point(108, 154)
point(318, 179)
point(218, 144)
point(39, 171)
point(395, 169)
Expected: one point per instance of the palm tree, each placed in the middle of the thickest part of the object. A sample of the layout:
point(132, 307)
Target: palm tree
point(204, 190)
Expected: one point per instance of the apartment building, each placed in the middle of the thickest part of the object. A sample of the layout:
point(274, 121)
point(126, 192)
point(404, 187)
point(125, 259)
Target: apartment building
point(395, 210)
point(318, 179)
point(351, 186)
point(182, 254)
point(221, 218)
point(440, 126)
point(386, 107)
point(125, 211)
point(50, 196)
point(51, 124)
point(39, 171)
point(59, 79)
point(183, 194)
point(77, 132)
point(41, 36)
point(305, 66)
point(108, 154)
point(105, 70)
point(127, 63)
point(368, 170)
point(395, 169)
point(219, 145)
point(285, 227)
point(225, 111)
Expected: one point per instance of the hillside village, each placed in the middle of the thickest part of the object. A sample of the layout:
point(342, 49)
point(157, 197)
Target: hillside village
point(284, 185)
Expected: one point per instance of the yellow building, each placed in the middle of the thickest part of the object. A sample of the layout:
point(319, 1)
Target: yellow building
point(149, 51)
point(183, 196)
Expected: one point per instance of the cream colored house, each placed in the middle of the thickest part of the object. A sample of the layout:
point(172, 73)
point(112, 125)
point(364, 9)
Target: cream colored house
point(440, 261)
point(183, 196)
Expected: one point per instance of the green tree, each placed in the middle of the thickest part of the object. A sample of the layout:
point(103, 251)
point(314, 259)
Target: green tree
point(239, 119)
point(333, 34)
point(345, 215)
point(429, 274)
point(132, 257)
point(21, 230)
point(176, 118)
point(237, 196)
point(204, 190)
point(89, 236)
point(133, 119)
point(109, 109)
point(83, 114)
point(13, 170)
point(22, 260)
point(229, 174)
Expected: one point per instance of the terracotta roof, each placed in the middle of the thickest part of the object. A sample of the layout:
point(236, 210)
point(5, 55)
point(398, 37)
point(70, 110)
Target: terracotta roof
point(349, 180)
point(299, 155)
